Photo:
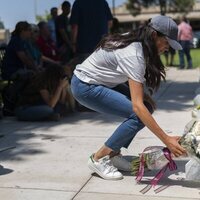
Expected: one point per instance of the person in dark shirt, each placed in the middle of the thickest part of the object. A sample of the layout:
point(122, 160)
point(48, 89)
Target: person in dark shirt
point(90, 21)
point(63, 34)
point(16, 59)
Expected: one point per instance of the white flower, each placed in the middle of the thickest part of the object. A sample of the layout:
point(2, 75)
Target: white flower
point(191, 139)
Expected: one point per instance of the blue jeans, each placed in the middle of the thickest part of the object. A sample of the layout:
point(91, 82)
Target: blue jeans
point(38, 112)
point(34, 113)
point(114, 101)
point(185, 51)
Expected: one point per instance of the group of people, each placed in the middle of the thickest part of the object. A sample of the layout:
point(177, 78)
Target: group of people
point(27, 67)
point(36, 53)
point(185, 36)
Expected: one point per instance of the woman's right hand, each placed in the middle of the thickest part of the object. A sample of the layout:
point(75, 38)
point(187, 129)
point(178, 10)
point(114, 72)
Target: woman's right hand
point(173, 145)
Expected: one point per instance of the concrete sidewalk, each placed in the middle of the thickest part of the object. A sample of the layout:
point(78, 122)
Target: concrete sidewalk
point(49, 160)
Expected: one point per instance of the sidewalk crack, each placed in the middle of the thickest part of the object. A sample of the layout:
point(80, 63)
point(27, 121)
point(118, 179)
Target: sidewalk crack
point(82, 187)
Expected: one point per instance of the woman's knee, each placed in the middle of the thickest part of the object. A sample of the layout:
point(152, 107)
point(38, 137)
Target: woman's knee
point(135, 121)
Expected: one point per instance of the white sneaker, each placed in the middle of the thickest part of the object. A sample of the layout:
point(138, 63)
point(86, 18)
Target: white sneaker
point(104, 168)
point(121, 163)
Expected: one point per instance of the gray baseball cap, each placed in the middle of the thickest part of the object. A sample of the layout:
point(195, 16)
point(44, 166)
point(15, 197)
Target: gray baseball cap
point(168, 27)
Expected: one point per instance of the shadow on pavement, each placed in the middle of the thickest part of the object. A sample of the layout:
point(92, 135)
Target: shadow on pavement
point(177, 179)
point(4, 171)
point(177, 96)
point(17, 141)
point(17, 134)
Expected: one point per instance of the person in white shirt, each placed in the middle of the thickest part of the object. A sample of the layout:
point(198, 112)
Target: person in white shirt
point(97, 83)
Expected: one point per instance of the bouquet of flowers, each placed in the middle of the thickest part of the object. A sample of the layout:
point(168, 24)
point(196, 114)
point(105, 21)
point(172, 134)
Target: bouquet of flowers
point(159, 158)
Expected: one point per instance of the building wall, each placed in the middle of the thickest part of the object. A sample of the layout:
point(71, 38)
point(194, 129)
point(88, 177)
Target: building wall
point(4, 36)
point(128, 21)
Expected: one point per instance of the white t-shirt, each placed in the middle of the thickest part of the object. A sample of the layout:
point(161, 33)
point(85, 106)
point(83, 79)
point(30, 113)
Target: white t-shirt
point(111, 68)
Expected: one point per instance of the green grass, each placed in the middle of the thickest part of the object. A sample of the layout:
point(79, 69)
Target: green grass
point(195, 54)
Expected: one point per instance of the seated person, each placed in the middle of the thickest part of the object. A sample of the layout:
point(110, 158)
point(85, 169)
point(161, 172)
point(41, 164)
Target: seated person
point(49, 49)
point(45, 43)
point(46, 97)
point(18, 67)
point(34, 51)
point(16, 62)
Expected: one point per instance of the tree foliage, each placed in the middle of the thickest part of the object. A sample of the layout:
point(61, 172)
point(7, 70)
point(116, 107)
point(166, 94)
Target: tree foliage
point(44, 17)
point(2, 25)
point(183, 6)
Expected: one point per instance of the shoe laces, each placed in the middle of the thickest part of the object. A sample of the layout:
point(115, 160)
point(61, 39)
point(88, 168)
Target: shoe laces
point(108, 165)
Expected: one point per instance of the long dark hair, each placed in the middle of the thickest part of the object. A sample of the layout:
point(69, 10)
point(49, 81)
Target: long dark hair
point(155, 70)
point(49, 78)
point(21, 26)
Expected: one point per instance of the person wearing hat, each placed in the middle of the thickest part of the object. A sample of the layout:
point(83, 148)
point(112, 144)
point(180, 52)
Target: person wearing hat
point(99, 84)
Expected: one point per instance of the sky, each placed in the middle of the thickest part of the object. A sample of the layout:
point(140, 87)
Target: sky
point(12, 11)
